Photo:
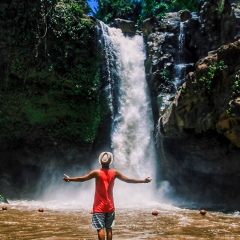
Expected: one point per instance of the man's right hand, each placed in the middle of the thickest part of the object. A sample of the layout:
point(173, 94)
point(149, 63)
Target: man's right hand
point(66, 178)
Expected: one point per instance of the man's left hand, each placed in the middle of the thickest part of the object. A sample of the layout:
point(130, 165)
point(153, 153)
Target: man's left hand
point(147, 180)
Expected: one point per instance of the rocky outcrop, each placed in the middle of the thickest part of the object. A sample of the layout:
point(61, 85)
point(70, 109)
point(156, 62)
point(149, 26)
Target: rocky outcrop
point(218, 24)
point(127, 27)
point(165, 50)
point(209, 99)
point(201, 131)
point(197, 118)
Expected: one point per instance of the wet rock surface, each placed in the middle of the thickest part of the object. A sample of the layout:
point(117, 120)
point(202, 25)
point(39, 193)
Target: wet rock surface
point(198, 120)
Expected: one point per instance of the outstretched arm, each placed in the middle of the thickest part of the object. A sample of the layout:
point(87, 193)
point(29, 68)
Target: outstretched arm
point(91, 175)
point(123, 178)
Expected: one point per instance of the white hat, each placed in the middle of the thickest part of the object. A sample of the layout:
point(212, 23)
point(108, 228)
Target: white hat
point(105, 158)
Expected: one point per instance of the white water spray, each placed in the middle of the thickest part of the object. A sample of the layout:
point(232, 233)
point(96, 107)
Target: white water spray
point(132, 127)
point(132, 131)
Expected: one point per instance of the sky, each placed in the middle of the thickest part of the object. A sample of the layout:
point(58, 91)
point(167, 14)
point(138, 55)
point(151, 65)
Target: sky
point(93, 4)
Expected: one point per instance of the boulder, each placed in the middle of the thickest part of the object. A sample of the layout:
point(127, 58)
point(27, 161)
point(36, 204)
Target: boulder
point(185, 15)
point(147, 27)
point(127, 27)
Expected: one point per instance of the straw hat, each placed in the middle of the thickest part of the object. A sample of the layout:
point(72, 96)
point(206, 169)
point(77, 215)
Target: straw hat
point(105, 158)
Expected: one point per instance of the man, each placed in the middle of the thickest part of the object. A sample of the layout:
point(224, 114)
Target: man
point(103, 207)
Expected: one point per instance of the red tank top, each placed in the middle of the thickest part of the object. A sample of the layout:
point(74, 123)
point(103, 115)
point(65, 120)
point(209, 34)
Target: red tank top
point(103, 200)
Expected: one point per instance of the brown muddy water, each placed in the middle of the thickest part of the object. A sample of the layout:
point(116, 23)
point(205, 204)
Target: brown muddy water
point(23, 221)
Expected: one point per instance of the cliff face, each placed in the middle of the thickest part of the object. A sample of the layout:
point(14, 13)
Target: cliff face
point(197, 116)
point(209, 99)
point(200, 130)
point(52, 106)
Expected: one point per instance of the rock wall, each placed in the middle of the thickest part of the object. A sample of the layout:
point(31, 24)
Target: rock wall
point(201, 131)
point(197, 121)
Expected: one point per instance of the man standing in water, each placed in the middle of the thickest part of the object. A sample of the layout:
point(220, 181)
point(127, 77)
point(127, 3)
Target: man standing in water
point(103, 207)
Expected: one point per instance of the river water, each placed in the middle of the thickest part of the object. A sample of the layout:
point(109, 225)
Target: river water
point(67, 220)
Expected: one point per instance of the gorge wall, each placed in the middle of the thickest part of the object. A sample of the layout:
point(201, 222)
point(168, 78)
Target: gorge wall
point(198, 131)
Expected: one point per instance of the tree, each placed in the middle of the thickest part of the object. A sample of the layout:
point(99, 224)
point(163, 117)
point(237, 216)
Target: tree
point(153, 8)
point(178, 5)
point(108, 10)
point(139, 10)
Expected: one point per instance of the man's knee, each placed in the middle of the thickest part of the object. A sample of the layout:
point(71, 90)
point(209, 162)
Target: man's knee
point(101, 232)
point(109, 231)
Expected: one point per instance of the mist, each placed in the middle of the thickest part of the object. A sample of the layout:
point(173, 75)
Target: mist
point(132, 139)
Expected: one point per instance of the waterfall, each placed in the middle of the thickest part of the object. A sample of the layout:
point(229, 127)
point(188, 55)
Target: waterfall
point(179, 70)
point(132, 120)
point(181, 43)
point(182, 61)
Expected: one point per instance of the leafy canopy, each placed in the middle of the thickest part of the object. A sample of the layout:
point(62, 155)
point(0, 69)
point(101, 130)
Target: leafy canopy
point(139, 10)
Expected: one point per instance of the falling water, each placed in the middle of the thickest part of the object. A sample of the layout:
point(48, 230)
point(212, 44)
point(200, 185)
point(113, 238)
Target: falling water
point(179, 74)
point(180, 67)
point(181, 43)
point(132, 128)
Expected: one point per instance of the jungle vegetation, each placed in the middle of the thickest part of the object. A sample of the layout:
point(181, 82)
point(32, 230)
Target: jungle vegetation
point(139, 10)
point(50, 69)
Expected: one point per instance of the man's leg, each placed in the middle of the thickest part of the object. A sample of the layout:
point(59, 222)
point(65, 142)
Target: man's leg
point(101, 220)
point(98, 222)
point(101, 234)
point(109, 233)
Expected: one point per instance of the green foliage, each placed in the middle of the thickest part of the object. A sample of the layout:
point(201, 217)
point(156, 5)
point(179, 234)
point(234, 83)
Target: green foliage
point(228, 111)
point(138, 11)
point(160, 8)
point(236, 83)
point(153, 8)
point(177, 5)
point(67, 20)
point(50, 115)
point(166, 73)
point(221, 8)
point(50, 72)
point(108, 10)
point(213, 70)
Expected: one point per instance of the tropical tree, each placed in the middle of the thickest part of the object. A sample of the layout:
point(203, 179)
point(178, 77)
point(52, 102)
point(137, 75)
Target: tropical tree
point(139, 10)
point(153, 8)
point(108, 10)
point(178, 5)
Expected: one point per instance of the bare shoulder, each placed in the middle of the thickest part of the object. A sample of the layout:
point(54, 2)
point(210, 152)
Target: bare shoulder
point(118, 173)
point(95, 172)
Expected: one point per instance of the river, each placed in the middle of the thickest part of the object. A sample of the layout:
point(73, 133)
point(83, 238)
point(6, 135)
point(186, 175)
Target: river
point(68, 220)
